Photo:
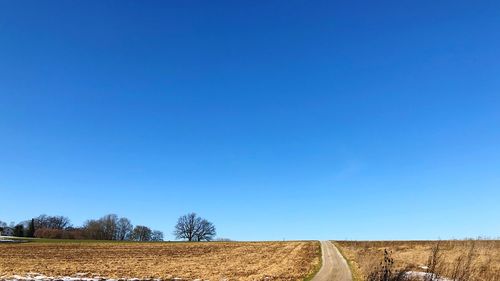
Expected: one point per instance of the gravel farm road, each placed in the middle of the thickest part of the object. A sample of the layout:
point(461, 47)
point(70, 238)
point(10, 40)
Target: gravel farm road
point(334, 266)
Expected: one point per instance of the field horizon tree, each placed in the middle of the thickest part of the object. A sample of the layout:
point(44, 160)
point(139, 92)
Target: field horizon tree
point(124, 229)
point(30, 232)
point(51, 222)
point(141, 233)
point(194, 228)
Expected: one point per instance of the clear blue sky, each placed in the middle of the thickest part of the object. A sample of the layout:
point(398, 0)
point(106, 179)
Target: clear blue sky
point(273, 119)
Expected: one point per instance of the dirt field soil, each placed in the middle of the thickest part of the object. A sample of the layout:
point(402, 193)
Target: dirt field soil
point(212, 261)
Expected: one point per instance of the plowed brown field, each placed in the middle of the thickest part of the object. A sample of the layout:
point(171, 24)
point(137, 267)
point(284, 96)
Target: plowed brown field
point(189, 261)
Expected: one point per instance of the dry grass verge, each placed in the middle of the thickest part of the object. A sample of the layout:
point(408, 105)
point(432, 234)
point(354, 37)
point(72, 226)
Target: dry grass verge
point(355, 271)
point(414, 255)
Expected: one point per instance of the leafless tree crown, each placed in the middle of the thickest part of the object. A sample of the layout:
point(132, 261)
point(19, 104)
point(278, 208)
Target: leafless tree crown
point(52, 222)
point(194, 228)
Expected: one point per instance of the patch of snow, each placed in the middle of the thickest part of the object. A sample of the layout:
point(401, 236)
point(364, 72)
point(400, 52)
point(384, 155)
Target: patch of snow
point(426, 276)
point(423, 267)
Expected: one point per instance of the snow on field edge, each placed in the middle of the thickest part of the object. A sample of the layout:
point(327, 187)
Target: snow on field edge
point(425, 276)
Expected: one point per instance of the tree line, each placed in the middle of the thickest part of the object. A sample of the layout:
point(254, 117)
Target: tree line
point(108, 227)
point(190, 227)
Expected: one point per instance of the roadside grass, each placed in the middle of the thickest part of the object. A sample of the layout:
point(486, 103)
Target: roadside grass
point(316, 269)
point(477, 260)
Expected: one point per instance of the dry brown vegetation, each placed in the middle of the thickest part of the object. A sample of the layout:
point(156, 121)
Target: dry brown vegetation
point(189, 261)
point(365, 256)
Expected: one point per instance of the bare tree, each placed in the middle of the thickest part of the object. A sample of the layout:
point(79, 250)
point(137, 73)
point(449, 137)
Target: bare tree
point(109, 223)
point(157, 236)
point(185, 227)
point(194, 228)
point(104, 228)
point(93, 230)
point(124, 229)
point(141, 233)
point(205, 230)
point(52, 222)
